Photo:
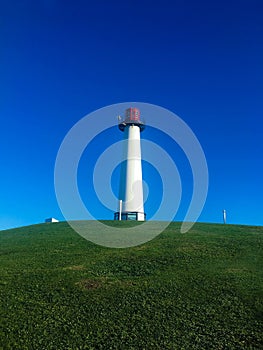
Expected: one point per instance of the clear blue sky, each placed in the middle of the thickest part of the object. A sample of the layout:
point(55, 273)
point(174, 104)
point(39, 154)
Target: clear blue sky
point(60, 60)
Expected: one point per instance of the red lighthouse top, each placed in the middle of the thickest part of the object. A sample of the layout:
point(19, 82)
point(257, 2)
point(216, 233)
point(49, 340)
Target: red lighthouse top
point(132, 117)
point(132, 114)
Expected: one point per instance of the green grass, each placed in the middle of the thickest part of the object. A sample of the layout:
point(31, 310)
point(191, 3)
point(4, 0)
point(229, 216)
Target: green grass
point(200, 290)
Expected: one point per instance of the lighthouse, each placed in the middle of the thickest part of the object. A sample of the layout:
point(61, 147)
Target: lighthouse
point(131, 205)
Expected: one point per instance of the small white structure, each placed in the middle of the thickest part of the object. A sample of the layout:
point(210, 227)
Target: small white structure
point(224, 216)
point(51, 220)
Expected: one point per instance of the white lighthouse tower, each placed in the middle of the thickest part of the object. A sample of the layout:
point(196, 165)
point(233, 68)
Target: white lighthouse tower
point(131, 189)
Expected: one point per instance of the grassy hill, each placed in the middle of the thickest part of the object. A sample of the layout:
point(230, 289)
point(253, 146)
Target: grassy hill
point(200, 290)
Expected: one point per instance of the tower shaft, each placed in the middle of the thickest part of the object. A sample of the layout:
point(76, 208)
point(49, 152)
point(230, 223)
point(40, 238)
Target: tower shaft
point(131, 189)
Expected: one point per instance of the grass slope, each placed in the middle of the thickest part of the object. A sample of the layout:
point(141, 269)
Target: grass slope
point(200, 290)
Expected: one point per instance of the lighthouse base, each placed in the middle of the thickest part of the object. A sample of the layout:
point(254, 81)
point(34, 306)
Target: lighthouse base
point(130, 216)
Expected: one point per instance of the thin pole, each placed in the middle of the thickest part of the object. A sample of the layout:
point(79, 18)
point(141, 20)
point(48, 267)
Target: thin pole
point(120, 209)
